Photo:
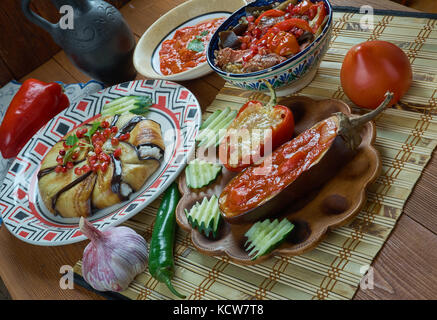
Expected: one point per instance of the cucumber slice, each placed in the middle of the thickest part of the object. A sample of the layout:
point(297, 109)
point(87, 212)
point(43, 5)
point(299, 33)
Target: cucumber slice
point(205, 216)
point(218, 122)
point(200, 173)
point(211, 126)
point(210, 119)
point(219, 131)
point(134, 104)
point(265, 236)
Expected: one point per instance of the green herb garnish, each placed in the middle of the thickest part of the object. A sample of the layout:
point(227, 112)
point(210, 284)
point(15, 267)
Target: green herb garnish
point(196, 45)
point(142, 105)
point(72, 140)
point(69, 153)
point(94, 128)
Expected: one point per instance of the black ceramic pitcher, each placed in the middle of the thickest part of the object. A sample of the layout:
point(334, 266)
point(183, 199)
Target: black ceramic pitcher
point(100, 43)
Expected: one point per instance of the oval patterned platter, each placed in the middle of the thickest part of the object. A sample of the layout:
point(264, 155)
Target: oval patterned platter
point(175, 108)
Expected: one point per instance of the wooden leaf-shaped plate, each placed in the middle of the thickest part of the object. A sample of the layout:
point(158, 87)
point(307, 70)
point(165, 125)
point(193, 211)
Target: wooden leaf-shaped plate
point(332, 206)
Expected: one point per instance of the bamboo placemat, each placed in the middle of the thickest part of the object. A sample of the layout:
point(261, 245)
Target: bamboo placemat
point(406, 137)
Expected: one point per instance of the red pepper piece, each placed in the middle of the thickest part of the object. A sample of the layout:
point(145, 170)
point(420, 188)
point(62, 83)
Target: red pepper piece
point(319, 18)
point(274, 123)
point(34, 104)
point(270, 13)
point(288, 24)
point(302, 7)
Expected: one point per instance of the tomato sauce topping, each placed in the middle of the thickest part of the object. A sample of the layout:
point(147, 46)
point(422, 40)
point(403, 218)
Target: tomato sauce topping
point(252, 187)
point(187, 48)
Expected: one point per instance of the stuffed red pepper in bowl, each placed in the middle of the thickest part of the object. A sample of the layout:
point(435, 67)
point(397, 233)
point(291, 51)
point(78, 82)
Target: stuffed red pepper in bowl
point(280, 41)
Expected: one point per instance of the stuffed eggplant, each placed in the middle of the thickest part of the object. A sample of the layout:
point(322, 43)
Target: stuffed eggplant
point(100, 164)
point(295, 169)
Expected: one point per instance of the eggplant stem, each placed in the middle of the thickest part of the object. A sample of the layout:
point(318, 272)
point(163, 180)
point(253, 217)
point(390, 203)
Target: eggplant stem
point(361, 120)
point(272, 101)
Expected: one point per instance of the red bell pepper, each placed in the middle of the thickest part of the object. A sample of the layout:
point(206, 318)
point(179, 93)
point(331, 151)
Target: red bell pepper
point(255, 125)
point(34, 104)
point(288, 24)
point(270, 13)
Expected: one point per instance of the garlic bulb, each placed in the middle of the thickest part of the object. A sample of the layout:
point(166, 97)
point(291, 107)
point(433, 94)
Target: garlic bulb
point(113, 257)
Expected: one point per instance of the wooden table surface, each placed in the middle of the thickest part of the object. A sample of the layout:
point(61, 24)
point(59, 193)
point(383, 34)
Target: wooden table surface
point(404, 268)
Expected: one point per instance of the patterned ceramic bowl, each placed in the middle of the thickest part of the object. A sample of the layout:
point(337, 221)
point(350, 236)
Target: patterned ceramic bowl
point(287, 77)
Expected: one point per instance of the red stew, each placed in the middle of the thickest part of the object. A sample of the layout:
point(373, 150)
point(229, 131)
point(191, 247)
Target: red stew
point(250, 189)
point(187, 48)
point(272, 36)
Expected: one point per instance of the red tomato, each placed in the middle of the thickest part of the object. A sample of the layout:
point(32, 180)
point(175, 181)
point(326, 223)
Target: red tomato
point(372, 68)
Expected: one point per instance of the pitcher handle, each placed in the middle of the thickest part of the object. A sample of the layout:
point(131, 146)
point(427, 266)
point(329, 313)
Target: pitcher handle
point(38, 20)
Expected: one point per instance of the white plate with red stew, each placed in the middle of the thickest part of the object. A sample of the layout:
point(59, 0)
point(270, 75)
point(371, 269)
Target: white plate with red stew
point(173, 113)
point(174, 47)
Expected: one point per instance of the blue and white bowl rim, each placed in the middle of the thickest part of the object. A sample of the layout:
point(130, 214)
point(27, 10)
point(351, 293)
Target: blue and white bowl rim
point(237, 15)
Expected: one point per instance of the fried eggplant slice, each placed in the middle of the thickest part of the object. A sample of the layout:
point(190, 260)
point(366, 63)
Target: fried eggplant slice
point(53, 184)
point(75, 201)
point(103, 196)
point(135, 174)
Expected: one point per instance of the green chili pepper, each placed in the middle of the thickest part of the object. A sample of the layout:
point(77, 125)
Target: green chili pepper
point(161, 264)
